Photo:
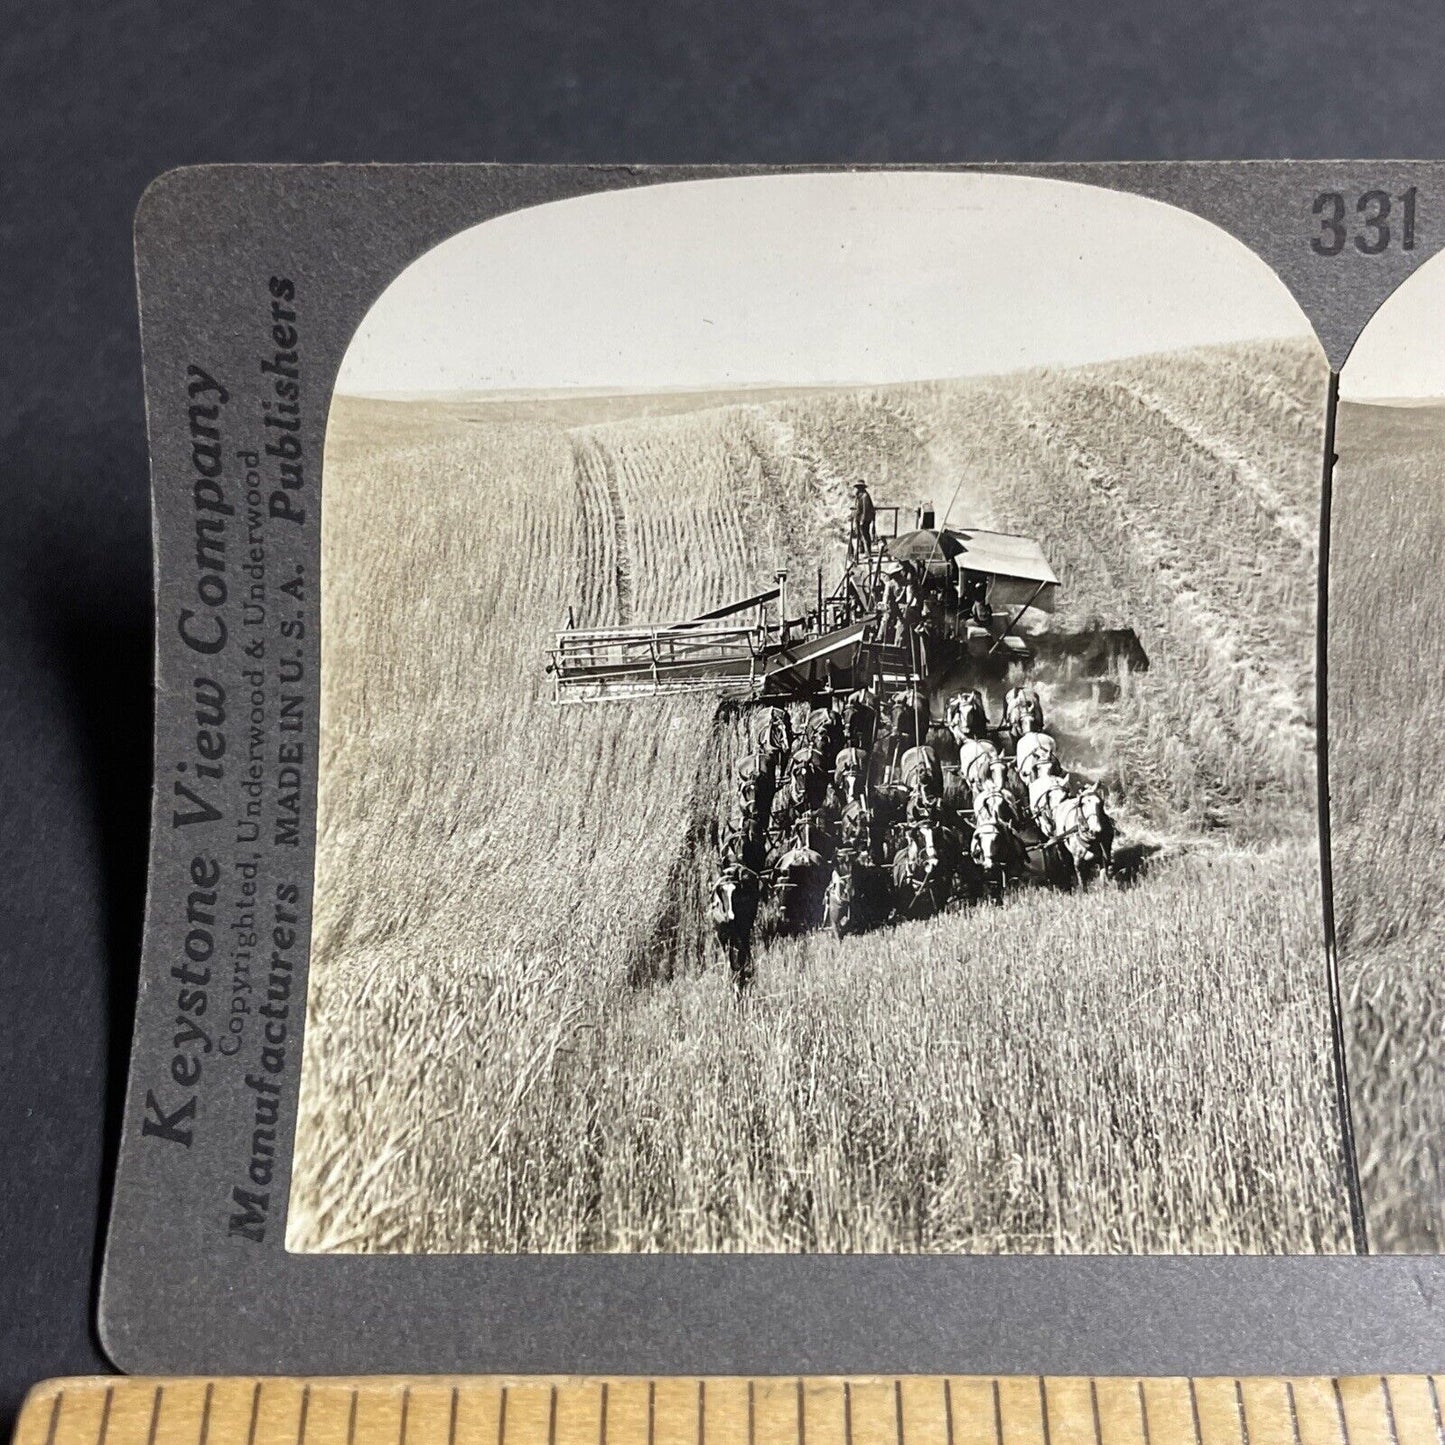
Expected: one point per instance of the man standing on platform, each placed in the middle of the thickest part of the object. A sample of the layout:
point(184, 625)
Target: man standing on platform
point(865, 525)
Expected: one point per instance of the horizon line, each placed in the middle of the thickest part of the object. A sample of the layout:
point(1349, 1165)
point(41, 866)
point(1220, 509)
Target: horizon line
point(580, 390)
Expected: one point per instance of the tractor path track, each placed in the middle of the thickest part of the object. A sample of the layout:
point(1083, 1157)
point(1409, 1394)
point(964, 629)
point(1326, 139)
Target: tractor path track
point(605, 525)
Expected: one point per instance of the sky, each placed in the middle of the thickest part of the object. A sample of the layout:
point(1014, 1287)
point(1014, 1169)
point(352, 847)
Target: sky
point(1401, 352)
point(807, 280)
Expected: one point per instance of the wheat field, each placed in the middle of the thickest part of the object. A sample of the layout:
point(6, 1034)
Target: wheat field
point(1387, 783)
point(520, 1036)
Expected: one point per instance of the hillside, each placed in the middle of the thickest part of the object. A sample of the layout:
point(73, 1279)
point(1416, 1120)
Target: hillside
point(1387, 690)
point(519, 1037)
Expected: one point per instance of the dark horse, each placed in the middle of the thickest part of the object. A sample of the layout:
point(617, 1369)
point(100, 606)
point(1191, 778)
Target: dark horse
point(826, 736)
point(857, 897)
point(966, 716)
point(860, 720)
point(800, 880)
point(733, 911)
point(850, 776)
point(925, 869)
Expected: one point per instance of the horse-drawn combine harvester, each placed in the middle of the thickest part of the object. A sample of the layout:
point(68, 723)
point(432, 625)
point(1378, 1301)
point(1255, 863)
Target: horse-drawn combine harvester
point(872, 786)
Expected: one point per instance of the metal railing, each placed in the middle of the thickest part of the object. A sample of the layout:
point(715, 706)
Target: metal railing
point(602, 662)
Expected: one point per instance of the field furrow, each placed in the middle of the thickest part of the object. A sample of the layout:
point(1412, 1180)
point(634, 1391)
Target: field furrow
point(1279, 514)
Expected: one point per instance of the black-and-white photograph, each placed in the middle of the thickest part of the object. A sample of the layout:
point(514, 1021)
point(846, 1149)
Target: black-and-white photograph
point(818, 737)
point(1387, 758)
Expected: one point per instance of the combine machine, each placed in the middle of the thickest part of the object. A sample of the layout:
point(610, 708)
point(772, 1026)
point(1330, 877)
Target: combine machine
point(978, 586)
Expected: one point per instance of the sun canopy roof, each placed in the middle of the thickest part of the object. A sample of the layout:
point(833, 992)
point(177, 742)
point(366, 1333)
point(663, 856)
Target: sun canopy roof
point(996, 554)
point(1001, 554)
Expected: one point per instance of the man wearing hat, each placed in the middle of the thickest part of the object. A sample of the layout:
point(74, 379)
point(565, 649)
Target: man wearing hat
point(891, 602)
point(864, 519)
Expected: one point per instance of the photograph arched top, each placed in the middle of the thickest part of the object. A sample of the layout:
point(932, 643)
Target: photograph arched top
point(811, 279)
point(1398, 356)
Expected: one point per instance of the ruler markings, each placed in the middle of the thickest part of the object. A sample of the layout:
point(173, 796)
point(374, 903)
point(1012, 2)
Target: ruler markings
point(1094, 1412)
point(1171, 1414)
point(1340, 1408)
point(1268, 1412)
point(530, 1411)
point(1221, 1418)
point(1115, 1412)
point(1363, 1406)
point(971, 1399)
point(1021, 1416)
point(873, 1413)
point(1068, 1407)
point(255, 1414)
point(925, 1418)
point(1317, 1412)
point(1389, 1411)
point(673, 1411)
point(155, 1415)
point(627, 1413)
point(891, 1410)
point(327, 1415)
point(727, 1411)
point(1412, 1415)
point(54, 1424)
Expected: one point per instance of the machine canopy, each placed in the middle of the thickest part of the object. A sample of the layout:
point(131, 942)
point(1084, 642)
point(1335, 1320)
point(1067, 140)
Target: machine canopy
point(1017, 571)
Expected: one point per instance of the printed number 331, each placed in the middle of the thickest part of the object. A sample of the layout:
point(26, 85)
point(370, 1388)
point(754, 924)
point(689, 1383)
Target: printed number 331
point(1373, 234)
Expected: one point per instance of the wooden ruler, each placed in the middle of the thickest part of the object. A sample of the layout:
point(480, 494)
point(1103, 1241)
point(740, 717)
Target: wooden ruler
point(909, 1410)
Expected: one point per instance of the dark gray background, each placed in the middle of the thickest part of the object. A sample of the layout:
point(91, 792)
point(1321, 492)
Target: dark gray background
point(97, 100)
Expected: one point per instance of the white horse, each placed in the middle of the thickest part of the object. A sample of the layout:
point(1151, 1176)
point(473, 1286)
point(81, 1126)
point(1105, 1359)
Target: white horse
point(1033, 752)
point(1022, 711)
point(1047, 790)
point(1083, 825)
point(995, 848)
point(966, 717)
point(977, 758)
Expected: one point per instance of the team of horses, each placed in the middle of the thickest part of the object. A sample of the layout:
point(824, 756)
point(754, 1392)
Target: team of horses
point(866, 815)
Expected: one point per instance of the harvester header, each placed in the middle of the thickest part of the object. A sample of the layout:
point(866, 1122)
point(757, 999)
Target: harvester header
point(913, 602)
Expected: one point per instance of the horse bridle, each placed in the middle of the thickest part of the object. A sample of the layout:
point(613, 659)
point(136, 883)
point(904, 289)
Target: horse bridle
point(1044, 806)
point(1089, 827)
